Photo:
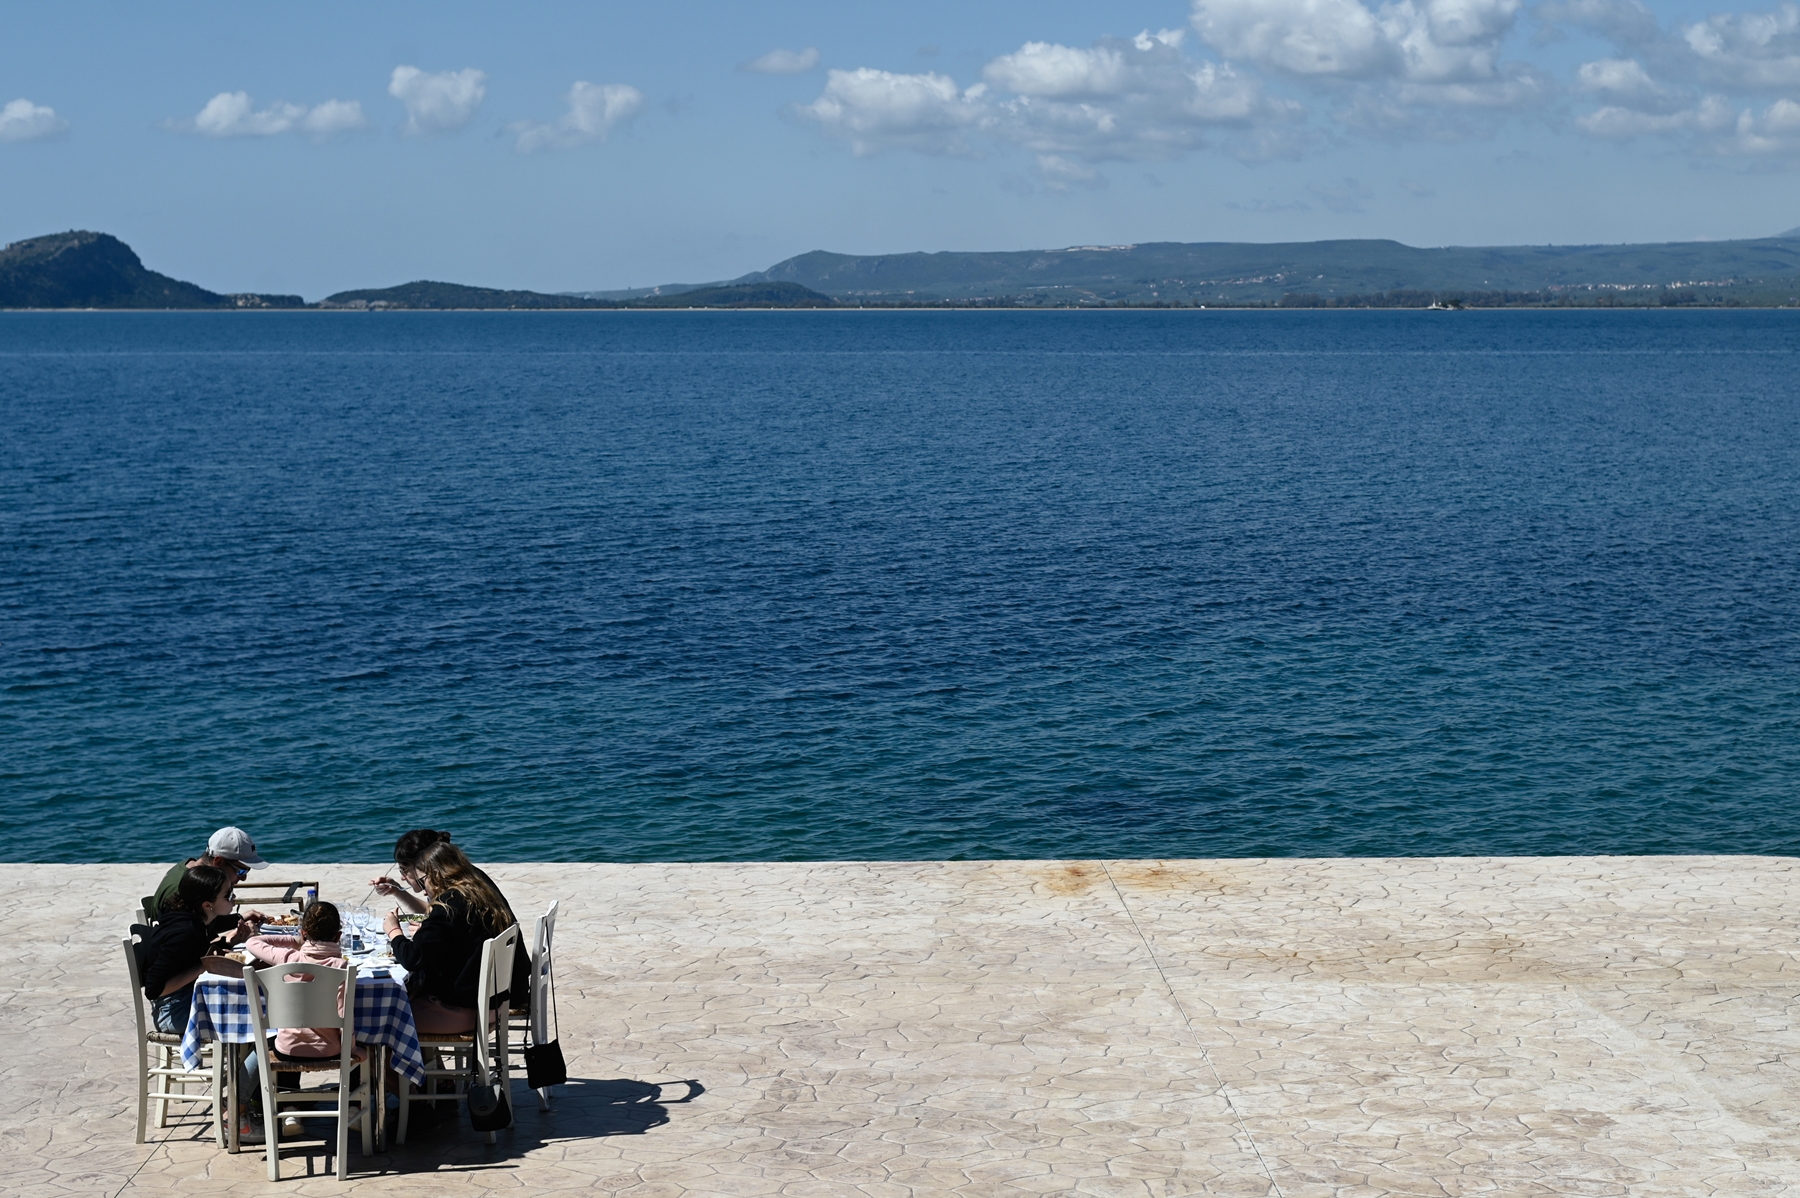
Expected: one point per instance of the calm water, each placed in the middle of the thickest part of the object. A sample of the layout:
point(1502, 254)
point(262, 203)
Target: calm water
point(620, 586)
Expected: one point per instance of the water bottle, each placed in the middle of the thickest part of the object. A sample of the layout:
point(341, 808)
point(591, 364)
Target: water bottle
point(312, 896)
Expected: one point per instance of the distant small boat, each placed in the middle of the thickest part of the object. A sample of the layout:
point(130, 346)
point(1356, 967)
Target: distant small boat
point(1440, 306)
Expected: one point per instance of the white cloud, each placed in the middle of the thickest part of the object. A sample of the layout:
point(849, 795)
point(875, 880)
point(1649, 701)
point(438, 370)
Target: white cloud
point(232, 114)
point(1062, 72)
point(1625, 82)
point(1060, 173)
point(1122, 98)
point(1711, 114)
point(1680, 84)
point(1628, 23)
point(1749, 50)
point(784, 62)
point(21, 120)
point(437, 103)
point(333, 117)
point(1776, 131)
point(1413, 41)
point(594, 111)
point(1338, 39)
point(874, 110)
point(1712, 127)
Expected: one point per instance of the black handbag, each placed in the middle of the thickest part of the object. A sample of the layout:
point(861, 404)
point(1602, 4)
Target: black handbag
point(489, 1109)
point(544, 1065)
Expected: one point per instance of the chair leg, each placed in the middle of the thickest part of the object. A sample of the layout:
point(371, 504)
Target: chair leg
point(162, 1086)
point(363, 1125)
point(217, 1109)
point(343, 1128)
point(143, 1095)
point(378, 1083)
point(544, 1098)
point(265, 1078)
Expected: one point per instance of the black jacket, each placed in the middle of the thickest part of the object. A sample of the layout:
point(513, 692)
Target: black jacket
point(443, 956)
point(174, 946)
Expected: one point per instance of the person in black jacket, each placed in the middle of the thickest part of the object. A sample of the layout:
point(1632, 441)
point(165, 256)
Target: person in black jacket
point(409, 851)
point(443, 956)
point(169, 957)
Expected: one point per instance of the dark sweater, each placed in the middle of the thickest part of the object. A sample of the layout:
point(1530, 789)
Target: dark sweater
point(174, 946)
point(443, 956)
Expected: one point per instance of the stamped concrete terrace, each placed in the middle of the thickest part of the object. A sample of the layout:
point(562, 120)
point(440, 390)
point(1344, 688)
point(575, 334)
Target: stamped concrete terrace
point(1351, 1028)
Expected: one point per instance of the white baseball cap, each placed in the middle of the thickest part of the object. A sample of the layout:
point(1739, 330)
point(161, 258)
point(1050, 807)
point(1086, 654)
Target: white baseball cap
point(234, 844)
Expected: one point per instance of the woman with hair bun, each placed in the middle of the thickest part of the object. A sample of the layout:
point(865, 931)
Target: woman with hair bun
point(406, 856)
point(463, 909)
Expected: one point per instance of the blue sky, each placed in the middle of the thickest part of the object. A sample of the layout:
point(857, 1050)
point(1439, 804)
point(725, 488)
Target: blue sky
point(558, 146)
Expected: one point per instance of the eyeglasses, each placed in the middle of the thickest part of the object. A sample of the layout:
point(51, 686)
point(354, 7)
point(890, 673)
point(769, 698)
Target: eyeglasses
point(242, 871)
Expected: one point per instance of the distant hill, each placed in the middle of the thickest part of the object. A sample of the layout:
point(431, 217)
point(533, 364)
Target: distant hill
point(90, 270)
point(1228, 272)
point(739, 295)
point(430, 295)
point(455, 295)
point(79, 269)
point(96, 270)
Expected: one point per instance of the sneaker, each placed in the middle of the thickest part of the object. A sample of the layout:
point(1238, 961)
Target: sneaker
point(250, 1129)
point(291, 1127)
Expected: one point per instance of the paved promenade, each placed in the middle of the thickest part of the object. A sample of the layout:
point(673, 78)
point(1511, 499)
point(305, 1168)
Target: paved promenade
point(1311, 1029)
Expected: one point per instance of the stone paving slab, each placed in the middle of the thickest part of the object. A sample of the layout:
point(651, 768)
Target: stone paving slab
point(1300, 1028)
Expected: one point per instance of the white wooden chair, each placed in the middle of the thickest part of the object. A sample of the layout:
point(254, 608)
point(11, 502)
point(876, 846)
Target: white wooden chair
point(482, 1051)
point(294, 999)
point(535, 1020)
point(159, 1061)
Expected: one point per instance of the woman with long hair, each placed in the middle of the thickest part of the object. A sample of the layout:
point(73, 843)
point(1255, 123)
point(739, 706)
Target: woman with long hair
point(443, 956)
point(169, 957)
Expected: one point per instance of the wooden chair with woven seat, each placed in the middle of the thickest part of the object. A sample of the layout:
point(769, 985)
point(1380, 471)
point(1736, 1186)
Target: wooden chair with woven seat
point(171, 1077)
point(306, 994)
point(481, 1052)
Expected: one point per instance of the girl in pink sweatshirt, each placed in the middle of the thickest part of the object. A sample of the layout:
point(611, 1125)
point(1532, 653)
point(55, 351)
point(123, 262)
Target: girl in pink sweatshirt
point(318, 943)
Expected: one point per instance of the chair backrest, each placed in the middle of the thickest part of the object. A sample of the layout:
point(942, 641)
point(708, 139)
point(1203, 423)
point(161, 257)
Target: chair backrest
point(248, 894)
point(496, 976)
point(137, 986)
point(543, 971)
point(295, 1003)
point(496, 967)
point(147, 908)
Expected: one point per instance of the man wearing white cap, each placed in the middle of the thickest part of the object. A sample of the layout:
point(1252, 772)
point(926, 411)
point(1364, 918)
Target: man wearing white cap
point(231, 850)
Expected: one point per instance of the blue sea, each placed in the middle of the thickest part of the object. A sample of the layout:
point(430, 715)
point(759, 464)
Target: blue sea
point(630, 586)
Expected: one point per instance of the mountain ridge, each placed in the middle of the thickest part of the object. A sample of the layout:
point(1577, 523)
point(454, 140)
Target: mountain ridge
point(1226, 272)
point(83, 269)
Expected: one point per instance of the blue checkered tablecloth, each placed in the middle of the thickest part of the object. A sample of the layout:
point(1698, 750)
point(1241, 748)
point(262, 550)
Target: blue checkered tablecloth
point(383, 1016)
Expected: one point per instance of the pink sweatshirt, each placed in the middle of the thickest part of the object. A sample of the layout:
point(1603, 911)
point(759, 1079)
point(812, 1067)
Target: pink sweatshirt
point(279, 950)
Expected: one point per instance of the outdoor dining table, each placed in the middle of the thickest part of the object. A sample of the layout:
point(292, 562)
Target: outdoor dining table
point(384, 1020)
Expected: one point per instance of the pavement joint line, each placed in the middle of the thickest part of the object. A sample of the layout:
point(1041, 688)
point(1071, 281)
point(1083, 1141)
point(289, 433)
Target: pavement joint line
point(148, 1157)
point(1181, 1009)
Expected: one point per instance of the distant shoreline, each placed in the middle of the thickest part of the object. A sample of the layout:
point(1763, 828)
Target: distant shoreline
point(667, 309)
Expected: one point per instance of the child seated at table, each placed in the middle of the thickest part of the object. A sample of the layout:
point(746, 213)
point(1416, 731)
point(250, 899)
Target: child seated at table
point(320, 928)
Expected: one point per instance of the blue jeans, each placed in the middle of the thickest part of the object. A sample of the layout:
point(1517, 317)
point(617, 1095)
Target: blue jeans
point(171, 1010)
point(250, 1079)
